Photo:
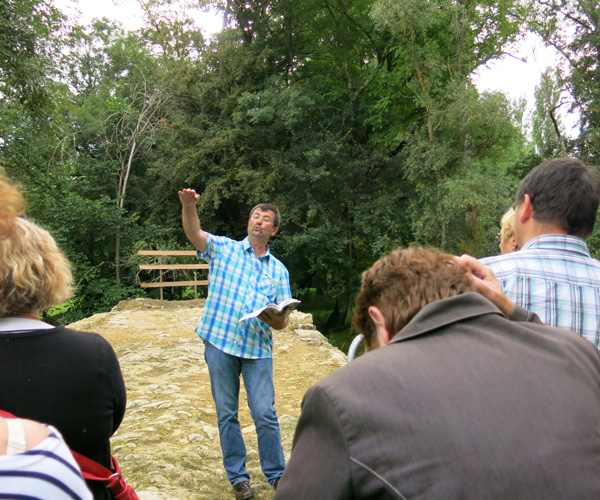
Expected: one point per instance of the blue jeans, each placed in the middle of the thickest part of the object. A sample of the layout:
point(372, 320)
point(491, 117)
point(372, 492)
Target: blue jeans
point(224, 370)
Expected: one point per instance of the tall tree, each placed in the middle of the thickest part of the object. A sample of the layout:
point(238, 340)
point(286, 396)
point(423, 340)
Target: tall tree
point(439, 44)
point(547, 127)
point(571, 26)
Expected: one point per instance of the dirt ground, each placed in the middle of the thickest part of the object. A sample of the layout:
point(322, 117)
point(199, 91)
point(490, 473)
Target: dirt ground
point(168, 443)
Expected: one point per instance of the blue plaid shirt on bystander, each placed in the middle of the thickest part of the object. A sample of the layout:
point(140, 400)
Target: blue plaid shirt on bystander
point(554, 276)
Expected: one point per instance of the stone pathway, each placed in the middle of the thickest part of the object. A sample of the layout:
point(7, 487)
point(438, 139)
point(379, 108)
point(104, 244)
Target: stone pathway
point(168, 443)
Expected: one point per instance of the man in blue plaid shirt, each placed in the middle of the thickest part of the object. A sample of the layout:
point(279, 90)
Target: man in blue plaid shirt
point(243, 277)
point(553, 273)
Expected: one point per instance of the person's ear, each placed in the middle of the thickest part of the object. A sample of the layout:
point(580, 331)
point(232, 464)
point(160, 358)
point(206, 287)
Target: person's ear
point(514, 247)
point(526, 209)
point(382, 336)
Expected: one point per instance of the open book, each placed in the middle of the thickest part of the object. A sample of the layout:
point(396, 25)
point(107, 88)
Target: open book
point(284, 307)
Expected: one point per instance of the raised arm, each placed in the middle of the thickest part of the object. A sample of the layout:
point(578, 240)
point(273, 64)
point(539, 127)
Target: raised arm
point(189, 216)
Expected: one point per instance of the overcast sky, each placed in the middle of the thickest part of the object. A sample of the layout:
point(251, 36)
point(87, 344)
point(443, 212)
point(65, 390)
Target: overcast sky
point(127, 12)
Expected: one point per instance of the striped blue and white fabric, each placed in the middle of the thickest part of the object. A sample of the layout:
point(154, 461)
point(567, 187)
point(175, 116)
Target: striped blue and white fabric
point(239, 282)
point(46, 472)
point(554, 276)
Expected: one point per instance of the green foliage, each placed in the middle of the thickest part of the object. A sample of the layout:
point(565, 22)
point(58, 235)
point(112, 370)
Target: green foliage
point(27, 38)
point(357, 118)
point(572, 27)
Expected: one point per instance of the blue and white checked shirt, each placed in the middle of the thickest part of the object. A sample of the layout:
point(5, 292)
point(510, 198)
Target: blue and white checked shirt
point(554, 276)
point(240, 282)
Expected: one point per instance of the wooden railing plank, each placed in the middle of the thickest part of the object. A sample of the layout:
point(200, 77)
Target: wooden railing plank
point(167, 252)
point(172, 266)
point(164, 284)
point(160, 267)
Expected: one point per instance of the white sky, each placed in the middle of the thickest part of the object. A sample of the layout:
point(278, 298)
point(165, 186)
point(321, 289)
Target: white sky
point(518, 77)
point(514, 77)
point(128, 13)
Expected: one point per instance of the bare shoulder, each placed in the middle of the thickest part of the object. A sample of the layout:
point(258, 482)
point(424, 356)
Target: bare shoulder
point(35, 433)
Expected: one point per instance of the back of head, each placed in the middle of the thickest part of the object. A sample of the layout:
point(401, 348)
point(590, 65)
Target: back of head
point(34, 273)
point(508, 242)
point(564, 192)
point(403, 282)
point(507, 224)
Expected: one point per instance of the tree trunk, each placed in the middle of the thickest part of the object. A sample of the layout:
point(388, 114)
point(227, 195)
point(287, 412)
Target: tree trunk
point(559, 136)
point(121, 190)
point(118, 259)
point(337, 318)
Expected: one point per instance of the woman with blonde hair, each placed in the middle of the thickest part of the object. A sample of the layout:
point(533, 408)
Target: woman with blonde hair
point(68, 379)
point(506, 236)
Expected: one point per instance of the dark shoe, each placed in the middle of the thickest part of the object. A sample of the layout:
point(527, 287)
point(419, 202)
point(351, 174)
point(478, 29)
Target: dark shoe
point(243, 491)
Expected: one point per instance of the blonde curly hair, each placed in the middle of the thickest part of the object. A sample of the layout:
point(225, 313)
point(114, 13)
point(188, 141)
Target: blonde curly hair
point(12, 204)
point(507, 225)
point(34, 273)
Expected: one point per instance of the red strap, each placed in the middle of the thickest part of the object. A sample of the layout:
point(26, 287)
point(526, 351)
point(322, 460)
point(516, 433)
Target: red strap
point(112, 479)
point(92, 469)
point(5, 414)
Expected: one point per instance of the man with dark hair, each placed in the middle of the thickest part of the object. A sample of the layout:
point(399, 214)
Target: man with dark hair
point(243, 277)
point(453, 400)
point(553, 273)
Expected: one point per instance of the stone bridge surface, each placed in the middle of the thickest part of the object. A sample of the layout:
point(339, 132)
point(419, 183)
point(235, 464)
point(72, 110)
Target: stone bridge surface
point(168, 443)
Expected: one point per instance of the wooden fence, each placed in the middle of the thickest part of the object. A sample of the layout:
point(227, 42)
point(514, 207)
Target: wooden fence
point(160, 267)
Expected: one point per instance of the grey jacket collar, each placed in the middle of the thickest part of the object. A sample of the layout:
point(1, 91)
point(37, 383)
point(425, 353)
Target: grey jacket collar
point(444, 312)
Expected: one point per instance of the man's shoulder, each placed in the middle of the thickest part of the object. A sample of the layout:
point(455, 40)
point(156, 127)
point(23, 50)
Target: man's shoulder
point(533, 258)
point(222, 240)
point(500, 262)
point(217, 244)
point(362, 368)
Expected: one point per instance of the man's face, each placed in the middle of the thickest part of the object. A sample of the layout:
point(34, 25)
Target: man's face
point(260, 224)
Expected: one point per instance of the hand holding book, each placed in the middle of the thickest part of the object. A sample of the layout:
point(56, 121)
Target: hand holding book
point(284, 308)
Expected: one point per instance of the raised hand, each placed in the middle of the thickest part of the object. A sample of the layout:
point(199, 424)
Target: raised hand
point(188, 197)
point(485, 282)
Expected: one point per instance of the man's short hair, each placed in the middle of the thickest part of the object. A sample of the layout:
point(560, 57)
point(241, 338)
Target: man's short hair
point(403, 282)
point(272, 208)
point(564, 192)
point(34, 273)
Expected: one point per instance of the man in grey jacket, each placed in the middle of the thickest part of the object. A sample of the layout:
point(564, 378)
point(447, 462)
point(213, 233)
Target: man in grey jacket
point(454, 400)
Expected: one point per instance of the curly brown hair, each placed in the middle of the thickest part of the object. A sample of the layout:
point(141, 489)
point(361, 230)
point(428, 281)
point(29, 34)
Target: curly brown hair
point(402, 283)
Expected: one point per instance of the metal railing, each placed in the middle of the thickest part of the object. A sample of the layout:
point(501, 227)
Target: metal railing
point(354, 346)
